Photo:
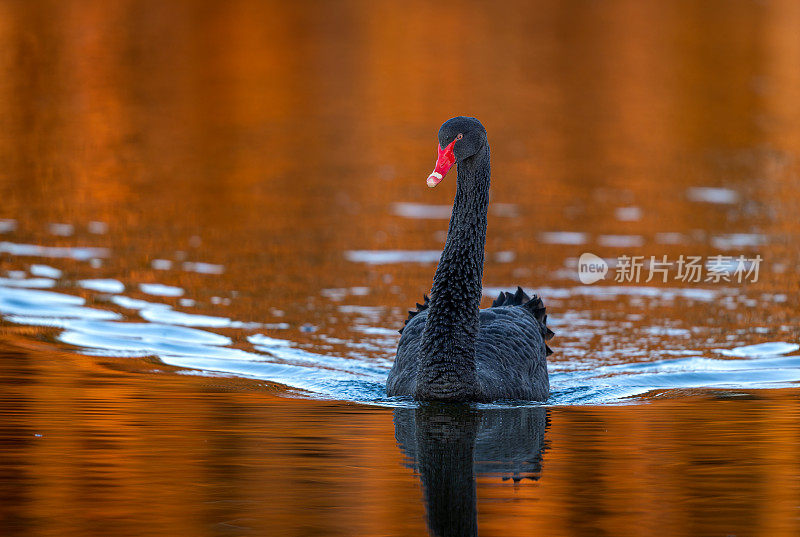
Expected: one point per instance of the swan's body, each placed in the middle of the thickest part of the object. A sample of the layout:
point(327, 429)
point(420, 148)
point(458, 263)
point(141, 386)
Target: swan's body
point(510, 353)
point(450, 350)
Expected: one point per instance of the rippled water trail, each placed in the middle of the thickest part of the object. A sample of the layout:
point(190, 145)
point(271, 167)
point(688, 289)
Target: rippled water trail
point(213, 220)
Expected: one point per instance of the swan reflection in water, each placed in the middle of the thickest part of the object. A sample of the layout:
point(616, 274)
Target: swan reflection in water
point(448, 446)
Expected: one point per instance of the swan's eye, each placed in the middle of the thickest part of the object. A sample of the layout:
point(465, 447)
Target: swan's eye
point(460, 136)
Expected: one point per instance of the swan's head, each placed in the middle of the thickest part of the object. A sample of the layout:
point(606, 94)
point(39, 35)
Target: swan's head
point(459, 138)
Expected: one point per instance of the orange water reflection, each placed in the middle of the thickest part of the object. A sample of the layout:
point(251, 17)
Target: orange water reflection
point(272, 138)
point(88, 450)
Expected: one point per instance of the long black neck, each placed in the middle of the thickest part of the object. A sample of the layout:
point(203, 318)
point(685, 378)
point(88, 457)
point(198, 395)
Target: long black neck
point(447, 360)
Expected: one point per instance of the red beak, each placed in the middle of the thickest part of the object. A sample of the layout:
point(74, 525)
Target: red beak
point(444, 162)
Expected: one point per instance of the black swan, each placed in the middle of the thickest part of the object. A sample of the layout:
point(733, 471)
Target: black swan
point(450, 350)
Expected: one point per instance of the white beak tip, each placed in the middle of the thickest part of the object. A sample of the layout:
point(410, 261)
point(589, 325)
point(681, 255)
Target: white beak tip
point(434, 179)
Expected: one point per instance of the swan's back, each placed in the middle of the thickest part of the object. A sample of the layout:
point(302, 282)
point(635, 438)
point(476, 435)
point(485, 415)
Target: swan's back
point(510, 350)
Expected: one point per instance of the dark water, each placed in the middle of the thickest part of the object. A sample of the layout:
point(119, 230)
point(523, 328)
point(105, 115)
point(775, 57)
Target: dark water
point(213, 218)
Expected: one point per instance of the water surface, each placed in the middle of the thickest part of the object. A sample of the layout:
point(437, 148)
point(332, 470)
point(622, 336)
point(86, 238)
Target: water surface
point(213, 219)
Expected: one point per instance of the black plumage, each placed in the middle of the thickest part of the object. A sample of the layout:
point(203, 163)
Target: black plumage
point(450, 350)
